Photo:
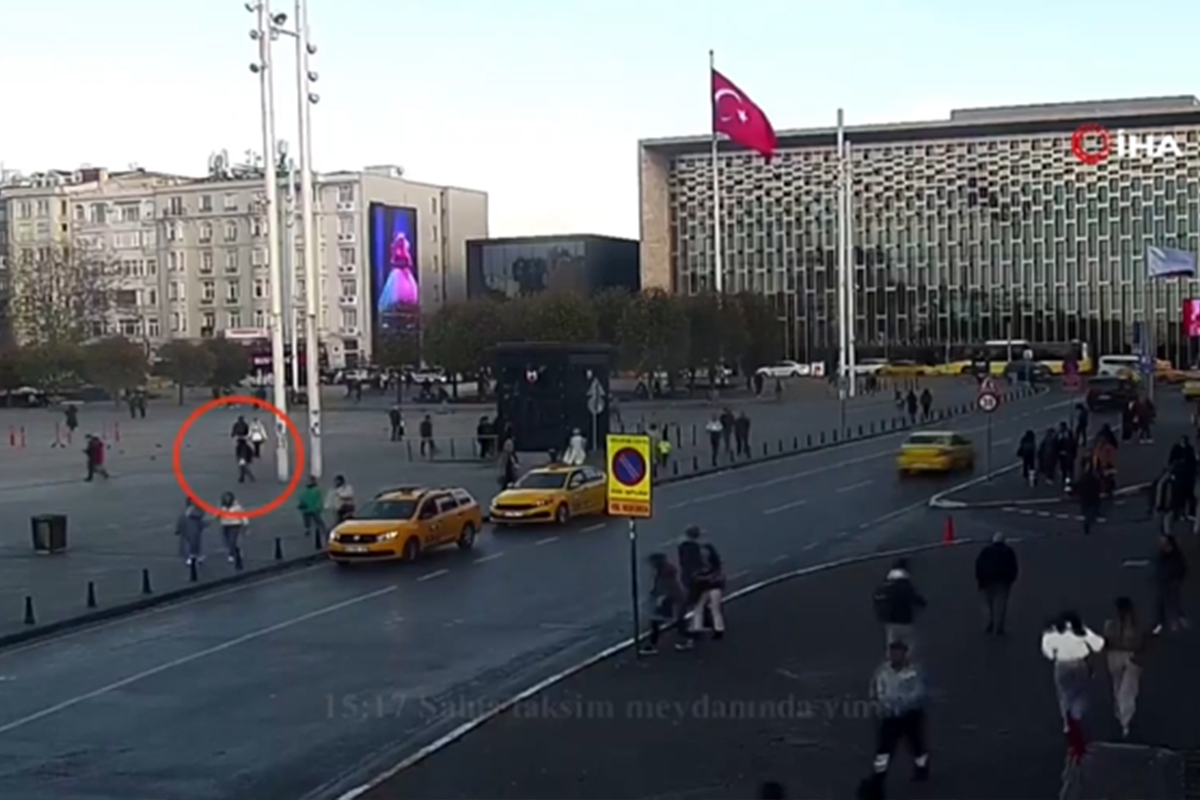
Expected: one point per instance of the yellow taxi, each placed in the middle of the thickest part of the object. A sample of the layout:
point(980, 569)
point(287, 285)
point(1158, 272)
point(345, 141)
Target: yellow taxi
point(553, 493)
point(1191, 390)
point(935, 451)
point(401, 523)
point(906, 369)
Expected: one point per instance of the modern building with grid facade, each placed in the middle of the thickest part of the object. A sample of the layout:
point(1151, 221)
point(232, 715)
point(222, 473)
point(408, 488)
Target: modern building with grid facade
point(981, 227)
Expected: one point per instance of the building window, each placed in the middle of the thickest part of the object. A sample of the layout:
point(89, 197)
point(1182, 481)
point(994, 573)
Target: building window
point(174, 232)
point(129, 327)
point(258, 257)
point(208, 321)
point(80, 213)
point(349, 319)
point(233, 319)
point(151, 266)
point(345, 193)
point(130, 212)
point(230, 203)
point(231, 230)
point(346, 256)
point(153, 329)
point(349, 287)
point(205, 232)
point(99, 214)
point(206, 202)
point(208, 291)
point(256, 227)
point(175, 206)
point(260, 289)
point(231, 260)
point(206, 262)
point(345, 227)
point(176, 261)
point(232, 292)
point(433, 205)
point(24, 210)
point(175, 291)
point(178, 322)
point(43, 208)
point(152, 297)
point(260, 318)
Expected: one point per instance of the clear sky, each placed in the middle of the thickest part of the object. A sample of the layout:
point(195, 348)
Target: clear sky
point(541, 102)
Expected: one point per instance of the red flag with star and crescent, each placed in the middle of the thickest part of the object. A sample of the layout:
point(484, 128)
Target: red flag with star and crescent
point(736, 116)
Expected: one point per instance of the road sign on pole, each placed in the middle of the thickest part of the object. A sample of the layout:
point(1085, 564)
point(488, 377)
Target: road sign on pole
point(988, 402)
point(595, 406)
point(629, 484)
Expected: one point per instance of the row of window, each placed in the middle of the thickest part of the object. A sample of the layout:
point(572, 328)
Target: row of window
point(177, 290)
point(232, 318)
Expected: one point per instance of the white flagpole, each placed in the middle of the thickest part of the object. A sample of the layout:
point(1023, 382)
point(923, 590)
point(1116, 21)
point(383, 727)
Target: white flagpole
point(851, 302)
point(841, 260)
point(718, 270)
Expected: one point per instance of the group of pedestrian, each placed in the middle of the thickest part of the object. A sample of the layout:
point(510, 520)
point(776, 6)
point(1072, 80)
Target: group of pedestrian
point(193, 521)
point(1137, 420)
point(686, 598)
point(728, 433)
point(248, 439)
point(428, 447)
point(1172, 495)
point(915, 405)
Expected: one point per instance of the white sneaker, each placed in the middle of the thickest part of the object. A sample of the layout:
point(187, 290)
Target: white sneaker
point(1157, 629)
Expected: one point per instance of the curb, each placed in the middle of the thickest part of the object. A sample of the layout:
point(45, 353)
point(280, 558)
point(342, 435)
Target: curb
point(939, 500)
point(128, 608)
point(500, 708)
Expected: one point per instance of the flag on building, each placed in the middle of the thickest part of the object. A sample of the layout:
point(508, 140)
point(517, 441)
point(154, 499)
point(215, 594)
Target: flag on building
point(1163, 262)
point(737, 116)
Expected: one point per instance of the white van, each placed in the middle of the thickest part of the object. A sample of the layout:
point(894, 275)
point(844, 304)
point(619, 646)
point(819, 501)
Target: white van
point(1117, 366)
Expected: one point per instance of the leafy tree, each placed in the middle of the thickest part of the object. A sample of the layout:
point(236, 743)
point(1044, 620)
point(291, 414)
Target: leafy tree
point(50, 368)
point(116, 364)
point(654, 333)
point(550, 317)
point(231, 363)
point(609, 306)
point(457, 337)
point(705, 330)
point(62, 295)
point(10, 369)
point(763, 342)
point(399, 350)
point(185, 364)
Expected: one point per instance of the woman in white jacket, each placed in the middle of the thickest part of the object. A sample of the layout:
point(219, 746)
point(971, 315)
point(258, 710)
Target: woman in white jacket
point(257, 436)
point(1070, 644)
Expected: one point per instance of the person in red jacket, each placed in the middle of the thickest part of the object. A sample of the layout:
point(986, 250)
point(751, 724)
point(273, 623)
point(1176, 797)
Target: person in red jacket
point(94, 452)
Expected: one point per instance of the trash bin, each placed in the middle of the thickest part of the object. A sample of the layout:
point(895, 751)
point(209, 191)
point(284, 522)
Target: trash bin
point(49, 533)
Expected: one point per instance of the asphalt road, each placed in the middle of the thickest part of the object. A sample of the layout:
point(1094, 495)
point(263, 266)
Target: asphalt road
point(300, 685)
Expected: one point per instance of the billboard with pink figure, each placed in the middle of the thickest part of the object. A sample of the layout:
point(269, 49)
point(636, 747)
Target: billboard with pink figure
point(1191, 317)
point(395, 277)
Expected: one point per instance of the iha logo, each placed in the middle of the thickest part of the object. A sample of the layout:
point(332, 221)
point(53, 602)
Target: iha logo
point(1092, 144)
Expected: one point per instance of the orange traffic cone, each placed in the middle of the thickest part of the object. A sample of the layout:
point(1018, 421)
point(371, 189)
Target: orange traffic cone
point(948, 531)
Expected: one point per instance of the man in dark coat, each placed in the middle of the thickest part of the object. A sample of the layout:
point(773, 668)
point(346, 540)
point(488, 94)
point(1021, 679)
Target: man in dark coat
point(995, 573)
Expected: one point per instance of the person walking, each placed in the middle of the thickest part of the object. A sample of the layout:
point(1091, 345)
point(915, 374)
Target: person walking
point(240, 430)
point(1070, 644)
point(1170, 570)
point(245, 457)
point(667, 603)
point(1104, 460)
point(1124, 645)
point(714, 429)
point(898, 688)
point(910, 401)
point(1146, 416)
point(485, 437)
point(71, 418)
point(996, 571)
point(257, 436)
point(897, 605)
point(1089, 490)
point(1048, 455)
point(189, 528)
point(710, 585)
point(233, 528)
point(1066, 448)
point(1162, 502)
point(741, 432)
point(341, 499)
point(93, 452)
point(1027, 455)
point(926, 404)
point(727, 422)
point(1183, 467)
point(507, 464)
point(312, 508)
point(428, 448)
point(1081, 423)
point(692, 569)
point(576, 453)
point(396, 423)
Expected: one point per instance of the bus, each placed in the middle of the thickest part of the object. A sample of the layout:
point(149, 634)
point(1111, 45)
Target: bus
point(998, 352)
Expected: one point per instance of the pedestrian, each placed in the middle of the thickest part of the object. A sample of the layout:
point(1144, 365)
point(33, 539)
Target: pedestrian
point(93, 451)
point(1090, 492)
point(396, 423)
point(1170, 570)
point(713, 427)
point(1081, 423)
point(312, 508)
point(240, 430)
point(189, 527)
point(1027, 454)
point(508, 464)
point(614, 412)
point(1162, 503)
point(1048, 455)
point(233, 527)
point(1183, 467)
point(693, 569)
point(71, 416)
point(727, 423)
point(1129, 420)
point(898, 401)
point(257, 436)
point(667, 604)
point(1070, 645)
point(1146, 416)
point(663, 450)
point(911, 402)
point(897, 605)
point(741, 432)
point(996, 571)
point(898, 689)
point(426, 430)
point(1104, 460)
point(759, 380)
point(341, 499)
point(710, 584)
point(926, 404)
point(576, 453)
point(1124, 646)
point(1066, 448)
point(485, 436)
point(245, 457)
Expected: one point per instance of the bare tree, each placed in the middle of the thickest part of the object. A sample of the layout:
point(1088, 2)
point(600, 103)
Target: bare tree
point(60, 295)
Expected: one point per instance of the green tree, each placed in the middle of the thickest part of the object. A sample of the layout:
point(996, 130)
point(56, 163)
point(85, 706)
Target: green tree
point(609, 306)
point(115, 364)
point(63, 295)
point(654, 334)
point(550, 317)
point(50, 367)
point(706, 345)
point(399, 350)
point(10, 369)
point(231, 363)
point(761, 328)
point(185, 364)
point(457, 337)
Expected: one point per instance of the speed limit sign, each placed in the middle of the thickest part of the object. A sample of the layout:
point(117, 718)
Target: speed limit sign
point(988, 402)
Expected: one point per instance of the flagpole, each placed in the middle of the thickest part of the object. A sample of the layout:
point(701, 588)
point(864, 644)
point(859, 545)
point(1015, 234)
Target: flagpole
point(718, 273)
point(841, 263)
point(851, 301)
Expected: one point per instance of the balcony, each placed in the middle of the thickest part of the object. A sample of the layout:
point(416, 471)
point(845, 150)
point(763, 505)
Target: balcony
point(207, 301)
point(348, 300)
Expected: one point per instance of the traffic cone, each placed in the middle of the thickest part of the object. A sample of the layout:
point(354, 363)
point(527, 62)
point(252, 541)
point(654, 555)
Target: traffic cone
point(948, 531)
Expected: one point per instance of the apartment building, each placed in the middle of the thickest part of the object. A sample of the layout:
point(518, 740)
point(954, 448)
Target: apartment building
point(190, 254)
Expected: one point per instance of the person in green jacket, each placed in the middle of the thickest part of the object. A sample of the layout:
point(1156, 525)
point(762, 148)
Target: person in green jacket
point(312, 507)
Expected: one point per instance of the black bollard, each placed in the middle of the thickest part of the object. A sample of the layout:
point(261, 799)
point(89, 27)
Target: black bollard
point(871, 430)
point(693, 434)
point(674, 467)
point(278, 549)
point(860, 430)
point(765, 451)
point(146, 582)
point(678, 436)
point(808, 441)
point(451, 448)
point(780, 441)
point(317, 544)
point(795, 442)
point(822, 437)
point(408, 447)
point(30, 619)
point(91, 595)
point(695, 464)
point(835, 435)
point(193, 572)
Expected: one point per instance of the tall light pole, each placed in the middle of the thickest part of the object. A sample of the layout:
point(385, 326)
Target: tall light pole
point(289, 268)
point(263, 33)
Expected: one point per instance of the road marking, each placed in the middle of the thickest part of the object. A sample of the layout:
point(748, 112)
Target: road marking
point(561, 626)
point(780, 559)
point(1128, 563)
point(669, 541)
point(891, 515)
point(595, 527)
point(841, 535)
point(1006, 440)
point(853, 486)
point(430, 576)
point(786, 506)
point(1062, 516)
point(1043, 513)
point(1025, 511)
point(741, 574)
point(490, 557)
point(196, 656)
point(547, 540)
point(813, 545)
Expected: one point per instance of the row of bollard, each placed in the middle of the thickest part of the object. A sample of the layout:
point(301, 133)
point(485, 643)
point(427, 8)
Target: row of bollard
point(92, 602)
point(18, 439)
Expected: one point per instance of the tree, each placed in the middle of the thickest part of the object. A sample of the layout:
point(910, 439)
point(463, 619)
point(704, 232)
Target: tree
point(185, 364)
point(705, 322)
point(61, 295)
point(550, 317)
point(609, 306)
point(50, 367)
point(654, 333)
point(231, 364)
point(115, 363)
point(458, 337)
point(399, 350)
point(763, 341)
point(10, 369)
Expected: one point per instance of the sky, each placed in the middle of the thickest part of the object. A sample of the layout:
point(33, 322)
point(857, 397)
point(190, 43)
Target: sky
point(541, 103)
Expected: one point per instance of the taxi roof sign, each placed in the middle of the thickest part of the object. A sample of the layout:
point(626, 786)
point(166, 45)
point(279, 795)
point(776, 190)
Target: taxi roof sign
point(630, 484)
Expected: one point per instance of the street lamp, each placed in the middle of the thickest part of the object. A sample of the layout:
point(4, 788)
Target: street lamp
point(264, 33)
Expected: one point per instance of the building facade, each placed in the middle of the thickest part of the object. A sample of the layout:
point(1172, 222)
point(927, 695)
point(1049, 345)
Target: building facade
point(585, 263)
point(189, 255)
point(984, 226)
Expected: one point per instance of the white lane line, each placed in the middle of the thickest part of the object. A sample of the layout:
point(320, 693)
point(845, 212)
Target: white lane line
point(733, 577)
point(561, 626)
point(780, 559)
point(813, 545)
point(841, 535)
point(595, 527)
point(669, 541)
point(1006, 440)
point(547, 540)
point(196, 656)
point(1134, 563)
point(898, 512)
point(430, 576)
point(490, 557)
point(854, 486)
point(785, 507)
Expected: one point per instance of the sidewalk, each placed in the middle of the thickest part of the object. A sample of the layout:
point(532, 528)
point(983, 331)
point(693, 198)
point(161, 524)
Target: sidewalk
point(784, 698)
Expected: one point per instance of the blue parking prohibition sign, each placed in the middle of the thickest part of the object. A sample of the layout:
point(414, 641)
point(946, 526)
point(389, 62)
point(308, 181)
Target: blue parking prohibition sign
point(629, 468)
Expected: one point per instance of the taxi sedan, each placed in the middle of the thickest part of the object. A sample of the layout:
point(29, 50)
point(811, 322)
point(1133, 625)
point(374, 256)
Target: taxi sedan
point(400, 524)
point(554, 493)
point(935, 451)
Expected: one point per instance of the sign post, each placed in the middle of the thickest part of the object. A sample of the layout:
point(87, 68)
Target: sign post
point(630, 491)
point(595, 406)
point(989, 401)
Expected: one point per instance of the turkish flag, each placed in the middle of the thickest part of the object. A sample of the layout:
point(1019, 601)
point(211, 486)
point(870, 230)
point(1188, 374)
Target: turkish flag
point(736, 116)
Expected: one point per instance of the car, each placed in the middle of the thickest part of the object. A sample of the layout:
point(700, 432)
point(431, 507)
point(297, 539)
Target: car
point(1027, 371)
point(402, 523)
point(428, 374)
point(935, 451)
point(553, 493)
point(1110, 393)
point(906, 369)
point(870, 366)
point(1191, 390)
point(785, 369)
